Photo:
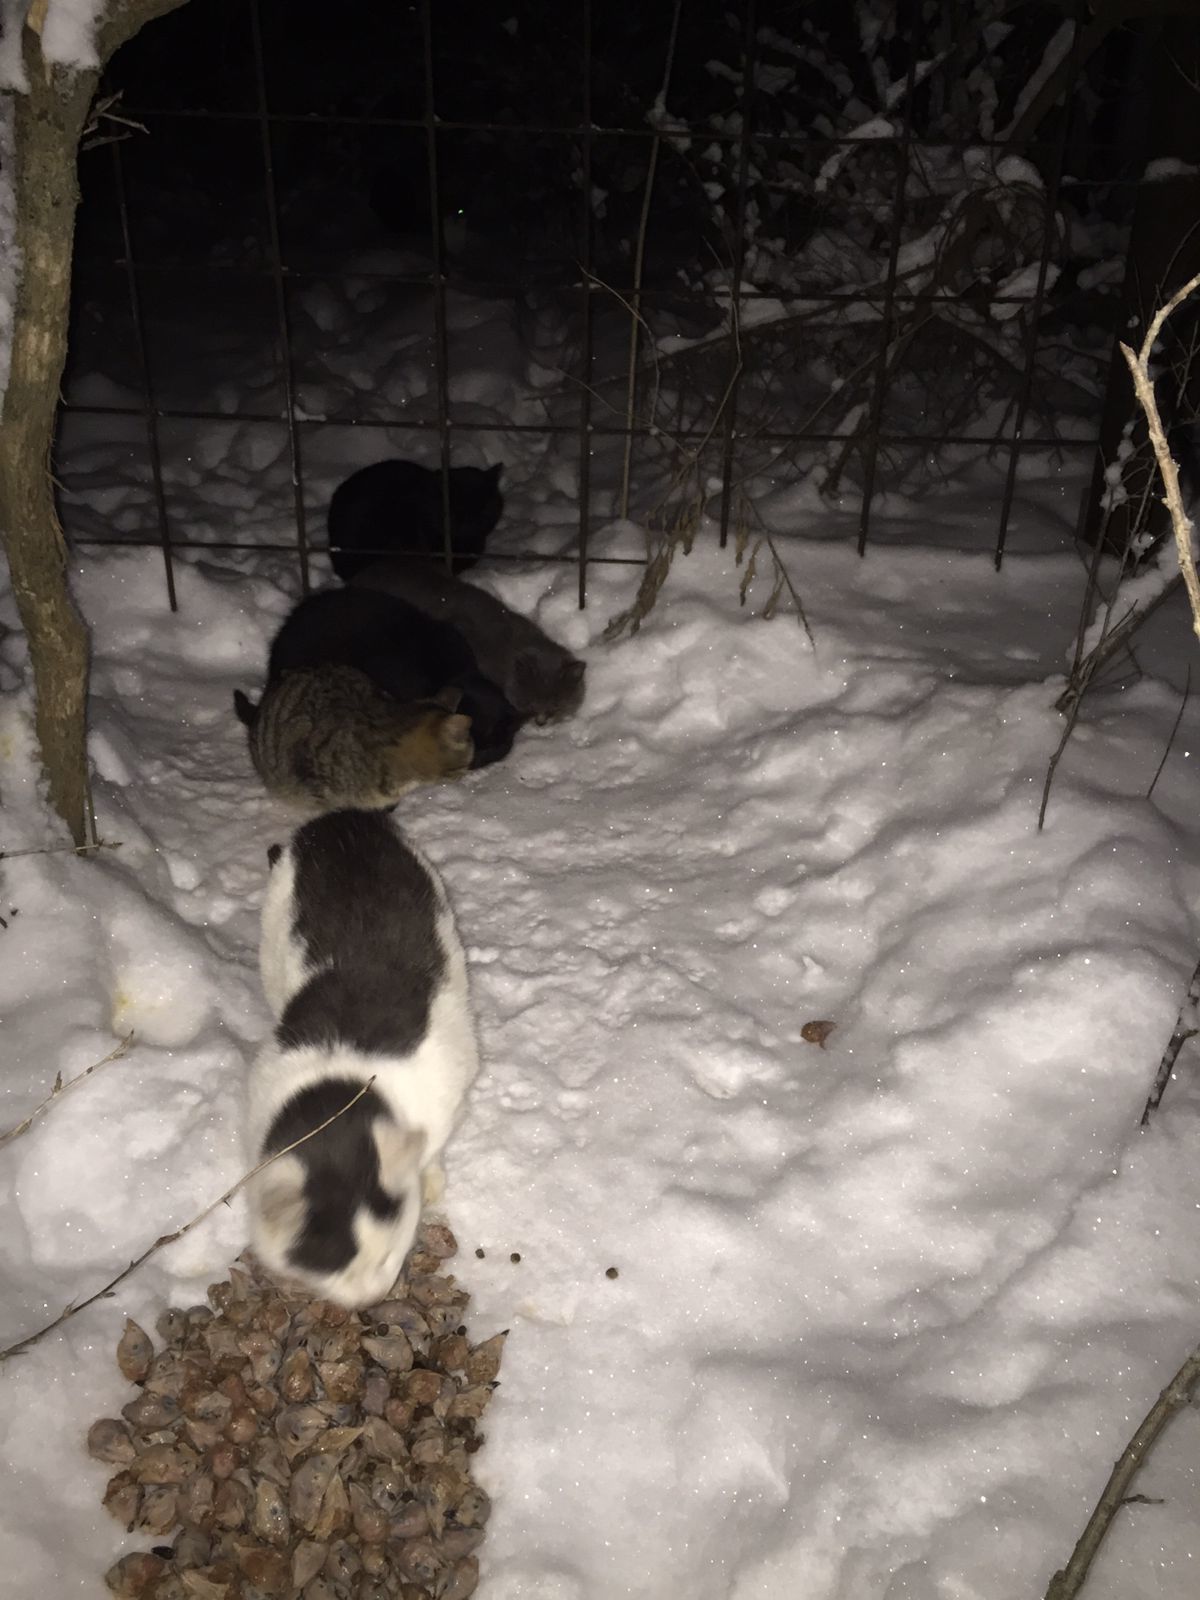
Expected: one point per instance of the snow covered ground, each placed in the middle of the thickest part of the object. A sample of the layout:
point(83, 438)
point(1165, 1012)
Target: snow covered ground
point(885, 1310)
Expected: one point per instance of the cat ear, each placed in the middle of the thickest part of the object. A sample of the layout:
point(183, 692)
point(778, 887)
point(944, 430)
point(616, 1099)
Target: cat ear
point(400, 1151)
point(495, 471)
point(274, 852)
point(573, 671)
point(449, 698)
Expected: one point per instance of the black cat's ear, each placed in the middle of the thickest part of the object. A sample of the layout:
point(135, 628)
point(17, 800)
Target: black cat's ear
point(274, 852)
point(573, 672)
point(494, 472)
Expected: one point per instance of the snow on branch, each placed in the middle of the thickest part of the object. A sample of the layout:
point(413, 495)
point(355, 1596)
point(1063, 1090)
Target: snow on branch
point(67, 29)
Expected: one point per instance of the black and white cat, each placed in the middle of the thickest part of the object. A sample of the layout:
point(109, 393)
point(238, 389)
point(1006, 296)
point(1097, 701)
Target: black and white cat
point(362, 965)
point(540, 678)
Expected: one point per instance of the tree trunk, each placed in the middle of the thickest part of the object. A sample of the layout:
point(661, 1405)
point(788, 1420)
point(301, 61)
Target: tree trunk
point(49, 118)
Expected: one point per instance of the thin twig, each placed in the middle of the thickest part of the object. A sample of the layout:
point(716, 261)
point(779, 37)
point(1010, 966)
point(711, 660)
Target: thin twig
point(73, 1309)
point(1183, 1032)
point(639, 259)
point(1187, 689)
point(1143, 387)
point(1072, 717)
point(1177, 1394)
point(1112, 641)
point(60, 1088)
point(62, 849)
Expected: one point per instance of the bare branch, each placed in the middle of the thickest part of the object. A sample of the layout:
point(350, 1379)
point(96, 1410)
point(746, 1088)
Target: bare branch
point(1067, 1583)
point(1143, 386)
point(1183, 1032)
point(60, 1088)
point(62, 849)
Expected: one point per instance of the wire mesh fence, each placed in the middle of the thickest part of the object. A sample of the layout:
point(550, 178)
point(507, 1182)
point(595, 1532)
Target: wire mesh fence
point(685, 239)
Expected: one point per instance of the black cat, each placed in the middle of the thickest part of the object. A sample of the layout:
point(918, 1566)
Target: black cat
point(409, 655)
point(395, 508)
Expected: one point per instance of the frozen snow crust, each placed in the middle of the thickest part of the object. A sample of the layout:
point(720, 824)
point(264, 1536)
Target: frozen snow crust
point(887, 1310)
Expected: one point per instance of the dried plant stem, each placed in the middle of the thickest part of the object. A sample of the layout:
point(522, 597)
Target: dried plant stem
point(639, 261)
point(74, 1308)
point(1072, 717)
point(1143, 388)
point(1187, 691)
point(62, 849)
point(1113, 640)
point(60, 1088)
point(1177, 1394)
point(1183, 1032)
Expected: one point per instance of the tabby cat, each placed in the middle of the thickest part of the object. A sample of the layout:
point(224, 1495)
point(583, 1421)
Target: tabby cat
point(405, 653)
point(326, 738)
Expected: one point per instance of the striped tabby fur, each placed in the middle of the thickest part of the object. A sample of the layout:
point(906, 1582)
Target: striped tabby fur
point(326, 738)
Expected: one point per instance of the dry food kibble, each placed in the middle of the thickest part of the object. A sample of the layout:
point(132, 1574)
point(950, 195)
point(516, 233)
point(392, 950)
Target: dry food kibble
point(610, 1272)
point(292, 1448)
point(135, 1352)
point(110, 1440)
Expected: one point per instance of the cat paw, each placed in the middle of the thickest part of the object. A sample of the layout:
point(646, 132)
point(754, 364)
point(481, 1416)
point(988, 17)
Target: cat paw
point(433, 1184)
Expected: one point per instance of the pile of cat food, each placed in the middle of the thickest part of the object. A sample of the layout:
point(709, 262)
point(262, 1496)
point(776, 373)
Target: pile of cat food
point(299, 1450)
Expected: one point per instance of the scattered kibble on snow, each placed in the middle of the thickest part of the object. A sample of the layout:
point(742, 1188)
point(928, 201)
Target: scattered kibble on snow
point(817, 1032)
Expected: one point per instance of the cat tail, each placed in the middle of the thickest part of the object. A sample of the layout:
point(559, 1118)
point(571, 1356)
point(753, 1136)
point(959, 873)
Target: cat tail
point(247, 711)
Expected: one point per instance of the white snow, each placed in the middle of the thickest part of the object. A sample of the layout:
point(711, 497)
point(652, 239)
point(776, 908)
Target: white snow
point(1020, 286)
point(871, 129)
point(887, 1310)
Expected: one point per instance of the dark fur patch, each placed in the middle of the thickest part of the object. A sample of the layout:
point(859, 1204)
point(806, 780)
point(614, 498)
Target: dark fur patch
point(366, 916)
point(538, 676)
point(395, 507)
point(341, 1168)
point(245, 709)
point(274, 851)
point(409, 655)
point(373, 1009)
